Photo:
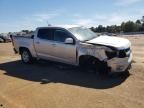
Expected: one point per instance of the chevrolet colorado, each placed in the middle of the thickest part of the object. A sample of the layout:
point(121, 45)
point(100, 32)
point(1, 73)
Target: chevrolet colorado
point(75, 46)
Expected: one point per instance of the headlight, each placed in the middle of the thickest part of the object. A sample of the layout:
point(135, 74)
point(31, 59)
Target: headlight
point(111, 53)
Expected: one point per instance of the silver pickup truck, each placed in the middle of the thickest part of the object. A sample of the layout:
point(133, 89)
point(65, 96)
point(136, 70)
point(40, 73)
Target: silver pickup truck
point(75, 46)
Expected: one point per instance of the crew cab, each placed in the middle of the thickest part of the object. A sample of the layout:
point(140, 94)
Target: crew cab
point(75, 46)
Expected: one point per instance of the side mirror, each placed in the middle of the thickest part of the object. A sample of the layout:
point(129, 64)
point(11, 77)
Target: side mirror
point(69, 41)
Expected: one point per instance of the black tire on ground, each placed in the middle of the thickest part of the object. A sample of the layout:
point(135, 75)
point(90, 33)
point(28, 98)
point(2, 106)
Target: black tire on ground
point(26, 56)
point(99, 66)
point(103, 69)
point(96, 65)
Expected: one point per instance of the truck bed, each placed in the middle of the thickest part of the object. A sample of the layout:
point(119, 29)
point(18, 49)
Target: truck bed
point(22, 41)
point(22, 36)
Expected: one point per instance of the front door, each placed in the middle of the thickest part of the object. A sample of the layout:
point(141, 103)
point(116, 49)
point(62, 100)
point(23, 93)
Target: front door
point(62, 51)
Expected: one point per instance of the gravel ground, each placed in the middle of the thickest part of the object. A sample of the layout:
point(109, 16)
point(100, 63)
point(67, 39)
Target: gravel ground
point(53, 85)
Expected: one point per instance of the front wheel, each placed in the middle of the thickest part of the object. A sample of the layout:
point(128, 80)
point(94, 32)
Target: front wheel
point(100, 67)
point(26, 56)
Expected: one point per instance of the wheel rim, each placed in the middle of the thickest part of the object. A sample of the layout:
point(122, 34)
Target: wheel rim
point(25, 56)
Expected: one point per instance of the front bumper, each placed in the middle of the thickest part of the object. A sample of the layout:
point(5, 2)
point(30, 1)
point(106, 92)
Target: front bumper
point(120, 64)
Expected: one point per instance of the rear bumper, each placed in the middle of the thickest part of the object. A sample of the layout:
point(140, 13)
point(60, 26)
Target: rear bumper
point(120, 64)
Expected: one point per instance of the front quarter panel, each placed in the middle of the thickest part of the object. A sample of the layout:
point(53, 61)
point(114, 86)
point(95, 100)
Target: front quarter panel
point(95, 51)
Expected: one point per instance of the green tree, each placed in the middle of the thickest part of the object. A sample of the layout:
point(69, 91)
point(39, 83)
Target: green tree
point(142, 28)
point(138, 22)
point(100, 28)
point(123, 26)
point(93, 29)
point(130, 26)
point(142, 19)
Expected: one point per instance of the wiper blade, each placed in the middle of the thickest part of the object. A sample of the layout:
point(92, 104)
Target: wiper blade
point(86, 40)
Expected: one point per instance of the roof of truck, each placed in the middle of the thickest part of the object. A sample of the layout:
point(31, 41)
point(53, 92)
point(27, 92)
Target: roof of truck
point(65, 26)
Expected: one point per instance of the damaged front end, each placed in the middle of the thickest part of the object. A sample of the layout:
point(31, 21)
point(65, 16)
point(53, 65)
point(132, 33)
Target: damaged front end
point(117, 60)
point(121, 61)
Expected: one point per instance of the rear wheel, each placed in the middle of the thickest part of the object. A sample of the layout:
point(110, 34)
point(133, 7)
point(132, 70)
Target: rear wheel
point(26, 56)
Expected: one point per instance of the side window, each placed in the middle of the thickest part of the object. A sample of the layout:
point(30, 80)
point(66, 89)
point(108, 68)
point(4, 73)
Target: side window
point(61, 35)
point(45, 34)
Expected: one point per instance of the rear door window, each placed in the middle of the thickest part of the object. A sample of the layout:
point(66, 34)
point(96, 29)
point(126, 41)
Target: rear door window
point(47, 34)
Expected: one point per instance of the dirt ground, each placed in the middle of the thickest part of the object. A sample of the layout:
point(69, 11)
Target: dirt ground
point(51, 85)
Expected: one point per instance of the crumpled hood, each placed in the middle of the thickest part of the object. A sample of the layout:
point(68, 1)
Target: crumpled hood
point(116, 42)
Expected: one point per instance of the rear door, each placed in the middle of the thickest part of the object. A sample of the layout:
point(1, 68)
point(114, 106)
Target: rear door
point(44, 43)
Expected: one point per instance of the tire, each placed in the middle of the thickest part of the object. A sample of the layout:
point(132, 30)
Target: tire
point(103, 69)
point(100, 67)
point(94, 64)
point(26, 56)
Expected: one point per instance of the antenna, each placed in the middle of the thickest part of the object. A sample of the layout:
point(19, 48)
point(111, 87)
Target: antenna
point(48, 24)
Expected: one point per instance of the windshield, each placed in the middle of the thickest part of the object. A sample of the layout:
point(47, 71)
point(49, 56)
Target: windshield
point(83, 34)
